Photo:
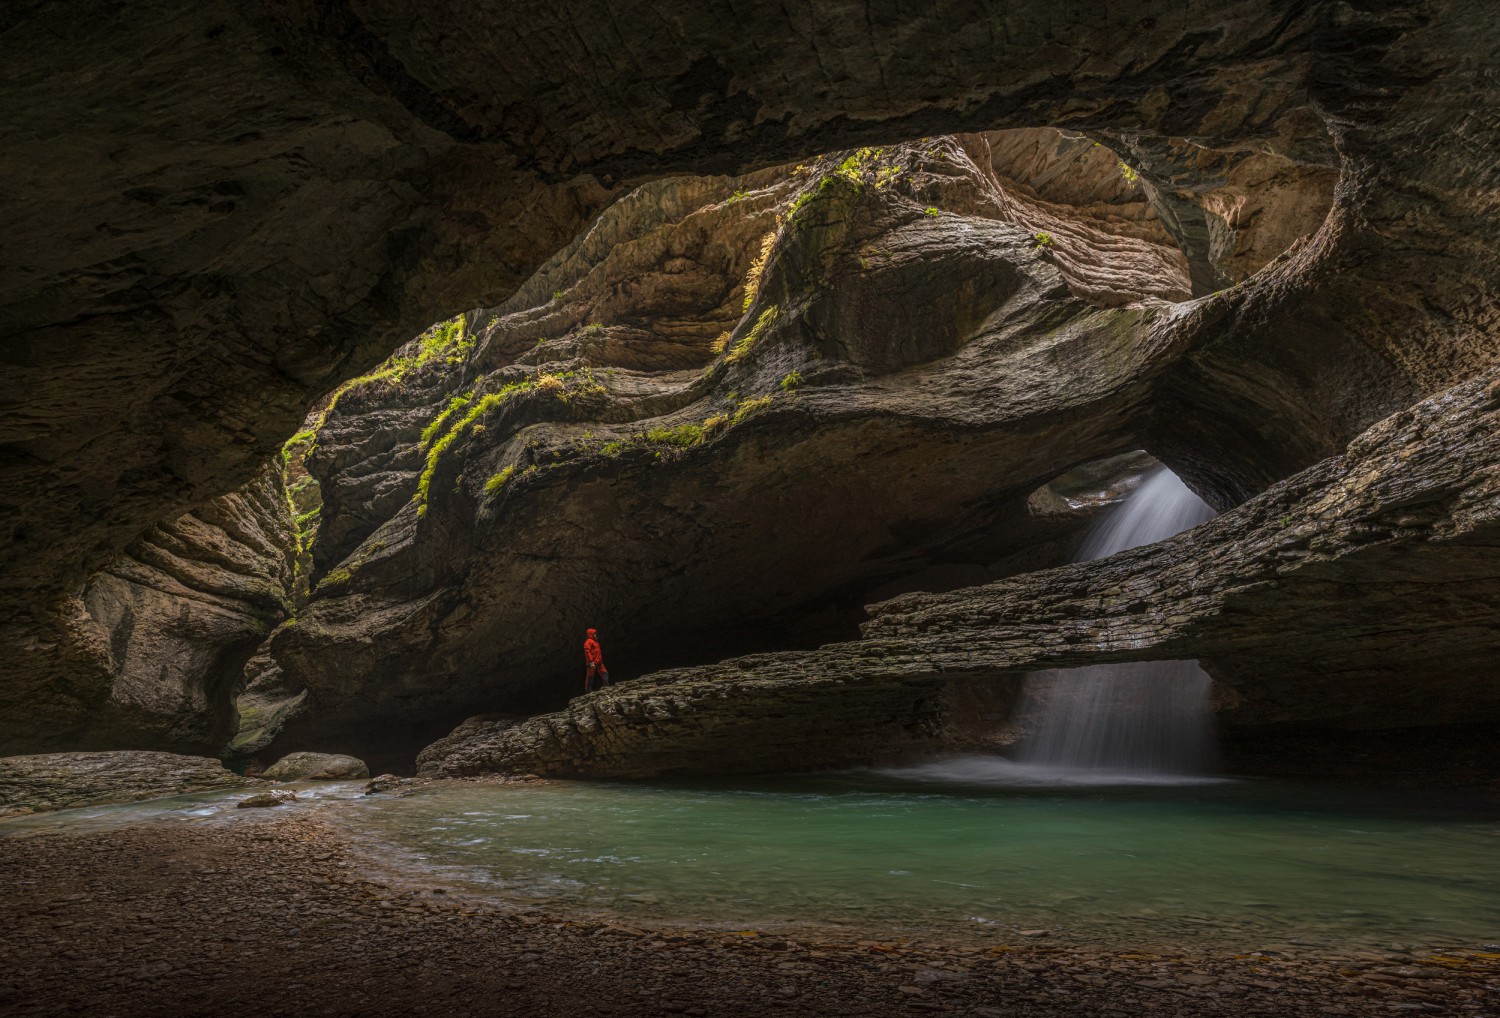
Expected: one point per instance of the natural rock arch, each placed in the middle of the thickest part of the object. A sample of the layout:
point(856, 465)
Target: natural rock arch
point(269, 202)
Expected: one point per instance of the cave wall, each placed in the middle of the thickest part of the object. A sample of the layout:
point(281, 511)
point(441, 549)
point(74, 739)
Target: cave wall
point(236, 208)
point(160, 637)
point(1352, 603)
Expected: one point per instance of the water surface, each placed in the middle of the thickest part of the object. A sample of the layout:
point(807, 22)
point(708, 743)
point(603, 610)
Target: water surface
point(1242, 864)
point(958, 847)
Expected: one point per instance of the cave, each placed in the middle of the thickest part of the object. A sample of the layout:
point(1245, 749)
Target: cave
point(363, 358)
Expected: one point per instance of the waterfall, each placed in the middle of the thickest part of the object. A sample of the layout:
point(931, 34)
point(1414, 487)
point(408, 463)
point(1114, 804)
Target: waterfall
point(1144, 718)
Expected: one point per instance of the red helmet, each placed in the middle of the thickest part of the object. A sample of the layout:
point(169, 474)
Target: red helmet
point(593, 632)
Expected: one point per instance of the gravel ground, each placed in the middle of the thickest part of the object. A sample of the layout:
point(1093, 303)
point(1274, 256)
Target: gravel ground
point(276, 914)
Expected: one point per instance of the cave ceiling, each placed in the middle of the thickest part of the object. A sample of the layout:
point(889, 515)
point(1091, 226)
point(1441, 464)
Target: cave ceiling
point(217, 213)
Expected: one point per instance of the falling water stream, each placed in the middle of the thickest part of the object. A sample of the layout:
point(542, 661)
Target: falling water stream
point(1103, 833)
point(1141, 718)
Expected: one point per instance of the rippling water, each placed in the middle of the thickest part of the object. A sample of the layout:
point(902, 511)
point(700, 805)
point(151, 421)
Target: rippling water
point(966, 845)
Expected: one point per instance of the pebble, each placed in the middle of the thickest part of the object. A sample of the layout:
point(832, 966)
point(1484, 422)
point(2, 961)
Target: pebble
point(280, 896)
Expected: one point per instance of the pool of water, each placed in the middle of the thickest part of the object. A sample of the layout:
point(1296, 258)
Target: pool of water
point(970, 846)
point(937, 849)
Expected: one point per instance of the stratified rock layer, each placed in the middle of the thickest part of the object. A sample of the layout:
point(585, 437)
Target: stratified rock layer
point(157, 643)
point(250, 205)
point(737, 405)
point(51, 781)
point(1293, 600)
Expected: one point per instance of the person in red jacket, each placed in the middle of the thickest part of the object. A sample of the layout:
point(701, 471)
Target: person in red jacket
point(594, 657)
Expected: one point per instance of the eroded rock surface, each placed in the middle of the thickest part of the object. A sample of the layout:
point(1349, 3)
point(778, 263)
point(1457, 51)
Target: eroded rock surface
point(264, 800)
point(662, 446)
point(305, 188)
point(316, 767)
point(1302, 602)
point(728, 720)
point(51, 781)
point(157, 643)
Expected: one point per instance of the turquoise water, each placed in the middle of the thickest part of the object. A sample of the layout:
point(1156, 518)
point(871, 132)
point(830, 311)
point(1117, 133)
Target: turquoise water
point(1250, 864)
point(969, 847)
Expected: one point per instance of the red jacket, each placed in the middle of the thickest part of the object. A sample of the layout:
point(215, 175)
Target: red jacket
point(591, 652)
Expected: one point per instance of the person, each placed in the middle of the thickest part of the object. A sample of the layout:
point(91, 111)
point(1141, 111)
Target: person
point(594, 657)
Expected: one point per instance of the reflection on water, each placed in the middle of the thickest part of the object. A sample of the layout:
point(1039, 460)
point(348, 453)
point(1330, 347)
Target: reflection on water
point(1242, 863)
point(1001, 772)
point(970, 843)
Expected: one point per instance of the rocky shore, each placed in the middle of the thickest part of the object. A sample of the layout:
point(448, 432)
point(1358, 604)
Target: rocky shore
point(278, 913)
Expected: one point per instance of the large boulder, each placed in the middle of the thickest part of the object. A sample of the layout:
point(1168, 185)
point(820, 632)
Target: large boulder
point(316, 767)
point(51, 781)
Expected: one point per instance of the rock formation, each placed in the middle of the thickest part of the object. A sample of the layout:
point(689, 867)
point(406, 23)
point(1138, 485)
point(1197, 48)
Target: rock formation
point(720, 369)
point(157, 644)
point(51, 781)
point(242, 210)
point(316, 767)
point(1301, 602)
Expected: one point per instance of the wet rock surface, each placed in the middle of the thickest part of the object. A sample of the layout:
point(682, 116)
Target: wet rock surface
point(52, 781)
point(316, 767)
point(262, 800)
point(88, 929)
point(714, 721)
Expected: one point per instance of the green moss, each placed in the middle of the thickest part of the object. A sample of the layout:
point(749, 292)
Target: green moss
point(497, 481)
point(1041, 239)
point(446, 341)
point(336, 578)
point(791, 380)
point(750, 406)
point(930, 210)
point(289, 447)
point(1128, 172)
point(739, 195)
point(435, 428)
point(765, 321)
point(476, 409)
point(682, 436)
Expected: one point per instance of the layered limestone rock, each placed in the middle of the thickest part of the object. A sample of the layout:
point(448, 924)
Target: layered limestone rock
point(159, 639)
point(725, 720)
point(734, 404)
point(1357, 594)
point(307, 187)
point(1302, 603)
point(51, 781)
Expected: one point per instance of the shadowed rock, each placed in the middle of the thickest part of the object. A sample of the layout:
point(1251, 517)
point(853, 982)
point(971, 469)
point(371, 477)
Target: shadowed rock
point(1293, 600)
point(308, 187)
point(50, 781)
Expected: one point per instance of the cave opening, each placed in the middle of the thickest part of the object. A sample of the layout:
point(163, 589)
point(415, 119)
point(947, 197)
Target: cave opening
point(716, 313)
point(822, 443)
